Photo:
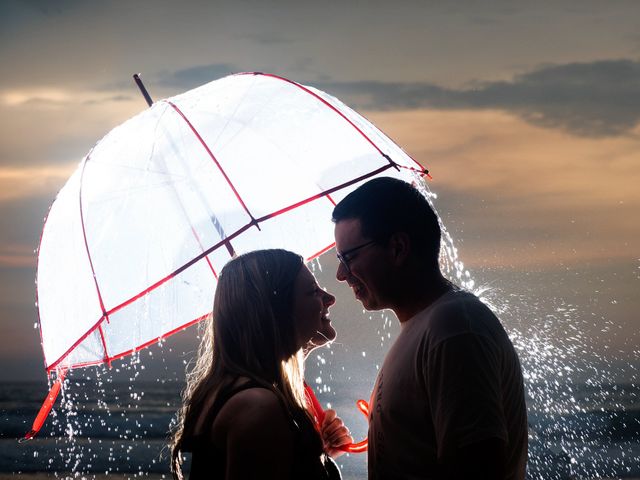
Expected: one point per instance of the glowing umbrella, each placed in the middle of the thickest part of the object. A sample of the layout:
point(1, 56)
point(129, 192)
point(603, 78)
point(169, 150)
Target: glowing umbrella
point(134, 241)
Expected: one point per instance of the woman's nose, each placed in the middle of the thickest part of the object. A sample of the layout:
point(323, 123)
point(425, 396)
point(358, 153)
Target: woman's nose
point(329, 299)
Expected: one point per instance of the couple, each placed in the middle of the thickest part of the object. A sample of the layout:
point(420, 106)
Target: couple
point(448, 402)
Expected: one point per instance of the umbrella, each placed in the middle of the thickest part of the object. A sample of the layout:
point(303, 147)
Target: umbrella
point(133, 243)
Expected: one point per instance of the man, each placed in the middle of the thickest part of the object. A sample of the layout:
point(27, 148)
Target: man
point(448, 402)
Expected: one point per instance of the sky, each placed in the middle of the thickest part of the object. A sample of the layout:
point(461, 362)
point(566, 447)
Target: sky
point(527, 116)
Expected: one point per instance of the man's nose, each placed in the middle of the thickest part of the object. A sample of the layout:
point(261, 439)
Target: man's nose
point(341, 273)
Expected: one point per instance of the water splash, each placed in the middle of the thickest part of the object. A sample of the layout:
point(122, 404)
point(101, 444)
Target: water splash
point(583, 422)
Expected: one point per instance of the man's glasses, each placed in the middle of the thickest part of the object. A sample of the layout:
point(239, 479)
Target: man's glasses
point(346, 257)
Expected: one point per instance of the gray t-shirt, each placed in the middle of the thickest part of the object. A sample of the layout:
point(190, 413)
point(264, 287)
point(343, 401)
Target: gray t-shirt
point(452, 378)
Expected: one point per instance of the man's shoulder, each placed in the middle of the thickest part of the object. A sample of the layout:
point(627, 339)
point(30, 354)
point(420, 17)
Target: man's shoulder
point(455, 313)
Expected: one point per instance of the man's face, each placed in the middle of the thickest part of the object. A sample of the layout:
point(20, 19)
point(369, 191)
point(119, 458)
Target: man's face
point(367, 269)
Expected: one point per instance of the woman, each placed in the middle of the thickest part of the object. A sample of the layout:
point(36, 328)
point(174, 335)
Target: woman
point(244, 413)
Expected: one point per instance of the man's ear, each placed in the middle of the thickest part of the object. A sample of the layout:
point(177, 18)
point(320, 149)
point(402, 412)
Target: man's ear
point(400, 247)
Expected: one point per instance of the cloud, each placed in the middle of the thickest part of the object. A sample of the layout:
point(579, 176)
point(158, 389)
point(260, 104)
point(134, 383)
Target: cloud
point(47, 126)
point(112, 99)
point(47, 96)
point(57, 97)
point(518, 194)
point(596, 99)
point(19, 183)
point(17, 256)
point(194, 76)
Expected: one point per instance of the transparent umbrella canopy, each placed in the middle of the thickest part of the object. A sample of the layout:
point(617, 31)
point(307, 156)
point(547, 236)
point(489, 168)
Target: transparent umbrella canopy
point(133, 243)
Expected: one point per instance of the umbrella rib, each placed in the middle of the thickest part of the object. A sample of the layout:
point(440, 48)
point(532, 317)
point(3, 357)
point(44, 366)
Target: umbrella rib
point(420, 169)
point(326, 193)
point(215, 160)
point(44, 354)
point(226, 125)
point(103, 340)
point(105, 315)
point(182, 268)
point(254, 222)
point(178, 198)
point(332, 107)
point(390, 163)
point(54, 365)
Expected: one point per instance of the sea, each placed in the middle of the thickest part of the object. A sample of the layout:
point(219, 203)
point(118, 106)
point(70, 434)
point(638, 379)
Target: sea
point(120, 428)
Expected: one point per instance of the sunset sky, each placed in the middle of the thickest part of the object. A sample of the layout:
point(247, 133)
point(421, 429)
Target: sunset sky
point(526, 114)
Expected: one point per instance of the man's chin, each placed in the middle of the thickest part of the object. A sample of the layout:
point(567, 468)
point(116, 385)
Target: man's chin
point(370, 305)
point(367, 302)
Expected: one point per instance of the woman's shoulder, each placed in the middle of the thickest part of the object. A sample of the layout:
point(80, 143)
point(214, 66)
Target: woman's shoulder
point(254, 424)
point(254, 400)
point(254, 410)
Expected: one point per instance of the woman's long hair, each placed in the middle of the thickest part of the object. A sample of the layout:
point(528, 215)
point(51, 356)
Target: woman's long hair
point(251, 333)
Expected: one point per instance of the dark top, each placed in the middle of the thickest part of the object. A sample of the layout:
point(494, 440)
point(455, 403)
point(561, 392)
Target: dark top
point(309, 460)
point(452, 379)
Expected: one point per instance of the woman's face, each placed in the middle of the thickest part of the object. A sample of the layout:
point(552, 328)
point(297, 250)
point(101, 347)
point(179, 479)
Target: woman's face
point(311, 311)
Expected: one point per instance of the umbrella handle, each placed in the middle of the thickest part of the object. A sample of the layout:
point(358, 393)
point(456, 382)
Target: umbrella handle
point(318, 414)
point(46, 406)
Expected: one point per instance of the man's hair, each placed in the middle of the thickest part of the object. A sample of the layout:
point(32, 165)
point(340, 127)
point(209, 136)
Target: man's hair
point(386, 206)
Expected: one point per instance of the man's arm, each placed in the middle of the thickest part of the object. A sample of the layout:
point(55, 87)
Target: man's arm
point(484, 460)
point(466, 408)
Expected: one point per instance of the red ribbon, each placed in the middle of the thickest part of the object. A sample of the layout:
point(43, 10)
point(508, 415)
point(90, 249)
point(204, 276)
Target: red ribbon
point(318, 413)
